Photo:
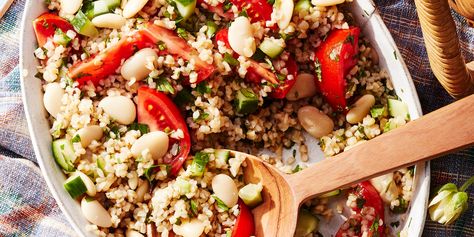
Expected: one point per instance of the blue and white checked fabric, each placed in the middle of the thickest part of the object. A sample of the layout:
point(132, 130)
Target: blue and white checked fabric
point(28, 209)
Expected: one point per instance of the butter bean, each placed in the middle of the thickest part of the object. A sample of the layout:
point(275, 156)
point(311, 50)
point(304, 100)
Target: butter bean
point(132, 7)
point(225, 189)
point(89, 134)
point(315, 122)
point(360, 109)
point(135, 66)
point(53, 94)
point(109, 20)
point(326, 3)
point(284, 11)
point(143, 188)
point(241, 38)
point(132, 233)
point(304, 87)
point(70, 7)
point(193, 228)
point(120, 108)
point(155, 142)
point(95, 213)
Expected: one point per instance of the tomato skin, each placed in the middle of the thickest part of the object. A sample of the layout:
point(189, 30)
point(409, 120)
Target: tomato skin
point(46, 24)
point(106, 63)
point(155, 109)
point(257, 10)
point(367, 192)
point(285, 86)
point(223, 35)
point(244, 225)
point(218, 9)
point(336, 56)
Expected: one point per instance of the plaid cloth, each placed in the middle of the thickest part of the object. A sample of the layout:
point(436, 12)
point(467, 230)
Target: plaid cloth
point(28, 209)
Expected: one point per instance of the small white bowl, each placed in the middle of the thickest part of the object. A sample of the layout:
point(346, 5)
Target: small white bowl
point(373, 28)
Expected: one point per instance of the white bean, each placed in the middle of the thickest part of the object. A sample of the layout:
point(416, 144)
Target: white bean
point(143, 188)
point(304, 87)
point(132, 7)
point(193, 228)
point(156, 143)
point(360, 109)
point(95, 213)
point(315, 122)
point(89, 134)
point(132, 233)
point(132, 180)
point(135, 66)
point(53, 94)
point(70, 7)
point(284, 10)
point(225, 189)
point(109, 20)
point(91, 189)
point(120, 108)
point(241, 38)
point(326, 3)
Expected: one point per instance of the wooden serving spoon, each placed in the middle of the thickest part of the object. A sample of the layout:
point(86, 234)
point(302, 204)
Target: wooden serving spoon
point(445, 130)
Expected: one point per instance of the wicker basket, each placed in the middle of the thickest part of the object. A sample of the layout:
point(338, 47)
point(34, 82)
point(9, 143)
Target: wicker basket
point(442, 44)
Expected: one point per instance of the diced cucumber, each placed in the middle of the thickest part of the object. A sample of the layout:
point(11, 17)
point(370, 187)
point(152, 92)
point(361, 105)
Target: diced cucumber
point(251, 194)
point(97, 8)
point(222, 155)
point(83, 25)
point(331, 194)
point(307, 223)
point(112, 4)
point(398, 108)
point(246, 101)
point(64, 155)
point(101, 163)
point(61, 38)
point(198, 166)
point(75, 186)
point(184, 186)
point(303, 5)
point(271, 47)
point(185, 7)
point(377, 112)
point(211, 28)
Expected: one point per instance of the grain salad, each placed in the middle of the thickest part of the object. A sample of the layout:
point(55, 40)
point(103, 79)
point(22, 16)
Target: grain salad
point(146, 98)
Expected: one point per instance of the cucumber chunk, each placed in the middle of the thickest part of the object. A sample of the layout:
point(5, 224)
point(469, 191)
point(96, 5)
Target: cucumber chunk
point(307, 223)
point(251, 194)
point(61, 38)
point(331, 194)
point(185, 7)
point(377, 112)
point(271, 47)
point(83, 25)
point(183, 185)
point(211, 29)
point(222, 155)
point(64, 155)
point(303, 5)
point(111, 4)
point(198, 166)
point(246, 101)
point(75, 186)
point(398, 108)
point(96, 8)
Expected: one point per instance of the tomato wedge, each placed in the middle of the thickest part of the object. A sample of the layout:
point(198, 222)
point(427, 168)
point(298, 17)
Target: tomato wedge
point(257, 10)
point(285, 86)
point(223, 36)
point(46, 24)
point(159, 112)
point(335, 57)
point(244, 225)
point(106, 63)
point(369, 208)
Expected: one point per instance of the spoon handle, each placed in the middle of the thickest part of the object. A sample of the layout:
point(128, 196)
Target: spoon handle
point(442, 131)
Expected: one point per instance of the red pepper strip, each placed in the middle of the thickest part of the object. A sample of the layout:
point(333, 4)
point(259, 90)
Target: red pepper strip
point(244, 225)
point(46, 25)
point(336, 56)
point(257, 10)
point(160, 114)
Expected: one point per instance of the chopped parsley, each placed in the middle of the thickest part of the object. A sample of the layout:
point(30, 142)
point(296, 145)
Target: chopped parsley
point(161, 45)
point(360, 202)
point(220, 203)
point(143, 128)
point(202, 116)
point(317, 69)
point(194, 207)
point(182, 33)
point(164, 85)
point(230, 60)
point(76, 138)
point(297, 169)
point(202, 88)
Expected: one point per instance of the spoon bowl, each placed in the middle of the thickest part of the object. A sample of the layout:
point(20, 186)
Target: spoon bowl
point(440, 132)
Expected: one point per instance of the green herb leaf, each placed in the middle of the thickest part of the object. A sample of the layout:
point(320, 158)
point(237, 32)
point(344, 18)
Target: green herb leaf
point(202, 116)
point(198, 164)
point(202, 88)
point(76, 138)
point(194, 207)
point(220, 203)
point(162, 84)
point(185, 2)
point(360, 202)
point(183, 97)
point(143, 128)
point(317, 69)
point(182, 33)
point(230, 60)
point(161, 45)
point(227, 5)
point(271, 2)
point(297, 169)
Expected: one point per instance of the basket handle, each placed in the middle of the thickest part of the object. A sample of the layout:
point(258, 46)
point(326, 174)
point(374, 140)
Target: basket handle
point(442, 44)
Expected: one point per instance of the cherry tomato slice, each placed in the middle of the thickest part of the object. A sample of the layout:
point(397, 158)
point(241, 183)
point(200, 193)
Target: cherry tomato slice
point(223, 36)
point(336, 56)
point(257, 10)
point(285, 86)
point(369, 199)
point(160, 114)
point(46, 24)
point(244, 225)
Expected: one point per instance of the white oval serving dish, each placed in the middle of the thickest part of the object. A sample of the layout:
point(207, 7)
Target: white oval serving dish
point(368, 19)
